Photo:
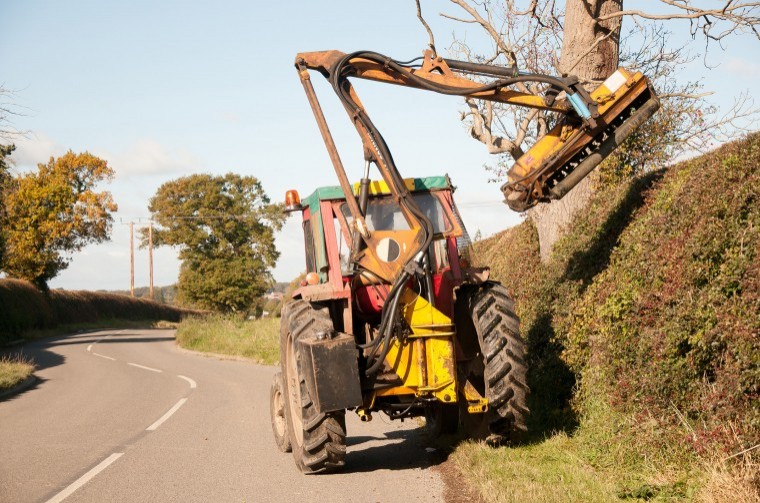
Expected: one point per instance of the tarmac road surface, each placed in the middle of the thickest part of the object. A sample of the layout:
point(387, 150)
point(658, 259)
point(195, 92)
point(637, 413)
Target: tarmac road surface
point(126, 416)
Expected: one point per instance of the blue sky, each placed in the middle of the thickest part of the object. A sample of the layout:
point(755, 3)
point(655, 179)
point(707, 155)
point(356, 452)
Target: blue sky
point(165, 89)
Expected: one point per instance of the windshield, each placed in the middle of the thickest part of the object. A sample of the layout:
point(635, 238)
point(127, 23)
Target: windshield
point(383, 214)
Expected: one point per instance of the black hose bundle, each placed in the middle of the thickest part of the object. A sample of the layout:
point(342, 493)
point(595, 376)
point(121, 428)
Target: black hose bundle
point(338, 78)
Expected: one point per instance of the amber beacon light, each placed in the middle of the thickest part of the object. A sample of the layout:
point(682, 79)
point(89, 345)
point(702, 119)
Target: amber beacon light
point(292, 201)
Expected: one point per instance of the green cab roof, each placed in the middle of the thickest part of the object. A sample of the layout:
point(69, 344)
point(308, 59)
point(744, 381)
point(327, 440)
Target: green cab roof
point(334, 193)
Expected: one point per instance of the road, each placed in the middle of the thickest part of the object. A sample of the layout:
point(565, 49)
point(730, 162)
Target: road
point(127, 416)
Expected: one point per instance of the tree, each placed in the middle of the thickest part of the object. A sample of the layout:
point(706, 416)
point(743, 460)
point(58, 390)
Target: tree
point(224, 228)
point(5, 178)
point(585, 39)
point(53, 212)
point(8, 109)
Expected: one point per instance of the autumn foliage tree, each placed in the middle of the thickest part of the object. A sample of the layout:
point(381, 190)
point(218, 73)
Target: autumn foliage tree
point(5, 177)
point(54, 211)
point(224, 228)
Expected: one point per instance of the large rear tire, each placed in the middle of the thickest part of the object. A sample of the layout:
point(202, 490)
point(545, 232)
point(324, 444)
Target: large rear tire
point(318, 440)
point(503, 353)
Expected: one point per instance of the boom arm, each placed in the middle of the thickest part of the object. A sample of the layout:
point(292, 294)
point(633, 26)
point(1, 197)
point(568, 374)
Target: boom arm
point(593, 125)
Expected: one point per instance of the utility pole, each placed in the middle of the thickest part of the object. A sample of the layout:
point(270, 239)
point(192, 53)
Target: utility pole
point(132, 259)
point(150, 256)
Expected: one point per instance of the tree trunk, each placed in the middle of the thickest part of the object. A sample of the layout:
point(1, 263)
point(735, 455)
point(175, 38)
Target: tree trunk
point(581, 30)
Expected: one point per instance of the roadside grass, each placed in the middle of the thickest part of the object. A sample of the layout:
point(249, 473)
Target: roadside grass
point(13, 370)
point(610, 457)
point(258, 340)
point(599, 462)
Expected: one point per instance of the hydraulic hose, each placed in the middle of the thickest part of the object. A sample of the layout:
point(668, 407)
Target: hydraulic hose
point(339, 80)
point(451, 90)
point(387, 321)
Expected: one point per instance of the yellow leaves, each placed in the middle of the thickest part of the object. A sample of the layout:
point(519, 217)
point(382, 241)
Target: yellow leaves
point(55, 211)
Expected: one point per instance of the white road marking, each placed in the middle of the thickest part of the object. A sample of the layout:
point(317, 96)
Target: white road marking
point(104, 356)
point(144, 367)
point(89, 348)
point(85, 478)
point(166, 416)
point(193, 384)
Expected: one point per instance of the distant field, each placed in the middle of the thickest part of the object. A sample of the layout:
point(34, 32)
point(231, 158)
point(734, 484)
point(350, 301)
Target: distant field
point(258, 340)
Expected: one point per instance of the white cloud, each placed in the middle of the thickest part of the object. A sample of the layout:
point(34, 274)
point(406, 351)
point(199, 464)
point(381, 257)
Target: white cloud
point(148, 157)
point(144, 157)
point(35, 148)
point(743, 67)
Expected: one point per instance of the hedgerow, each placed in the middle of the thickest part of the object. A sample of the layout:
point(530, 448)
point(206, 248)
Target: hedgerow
point(650, 303)
point(23, 308)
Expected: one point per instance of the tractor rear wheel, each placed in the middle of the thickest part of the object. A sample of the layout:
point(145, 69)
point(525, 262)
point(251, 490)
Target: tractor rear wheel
point(503, 353)
point(318, 440)
point(277, 413)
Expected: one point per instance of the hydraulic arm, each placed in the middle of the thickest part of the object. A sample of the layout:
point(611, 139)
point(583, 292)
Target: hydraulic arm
point(590, 127)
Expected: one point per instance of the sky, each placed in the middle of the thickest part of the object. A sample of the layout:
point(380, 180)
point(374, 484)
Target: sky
point(167, 89)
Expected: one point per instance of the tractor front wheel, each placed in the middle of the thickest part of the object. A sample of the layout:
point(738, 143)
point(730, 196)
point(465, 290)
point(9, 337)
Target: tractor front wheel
point(277, 413)
point(441, 419)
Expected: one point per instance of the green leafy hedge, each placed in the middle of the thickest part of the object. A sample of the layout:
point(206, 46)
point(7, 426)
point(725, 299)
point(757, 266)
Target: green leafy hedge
point(650, 302)
point(23, 307)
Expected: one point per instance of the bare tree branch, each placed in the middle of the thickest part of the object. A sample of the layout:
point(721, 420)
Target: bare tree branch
point(9, 109)
point(742, 17)
point(431, 42)
point(488, 27)
point(685, 95)
point(457, 19)
point(480, 129)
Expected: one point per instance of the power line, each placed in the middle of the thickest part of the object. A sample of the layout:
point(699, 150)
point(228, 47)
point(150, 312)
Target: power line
point(190, 217)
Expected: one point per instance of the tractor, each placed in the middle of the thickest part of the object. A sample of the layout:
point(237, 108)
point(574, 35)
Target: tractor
point(451, 348)
point(391, 316)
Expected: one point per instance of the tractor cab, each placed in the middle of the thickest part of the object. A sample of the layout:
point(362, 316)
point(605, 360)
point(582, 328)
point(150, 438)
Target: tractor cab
point(329, 241)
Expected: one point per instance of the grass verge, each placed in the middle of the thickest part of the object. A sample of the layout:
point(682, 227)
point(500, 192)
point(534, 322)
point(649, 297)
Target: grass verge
point(13, 370)
point(565, 469)
point(258, 340)
point(598, 462)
